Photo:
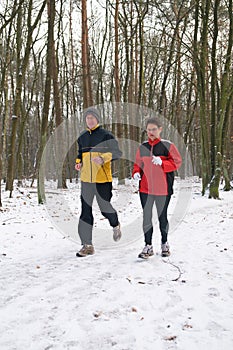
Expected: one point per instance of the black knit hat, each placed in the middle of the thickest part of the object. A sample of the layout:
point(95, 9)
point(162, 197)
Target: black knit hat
point(93, 111)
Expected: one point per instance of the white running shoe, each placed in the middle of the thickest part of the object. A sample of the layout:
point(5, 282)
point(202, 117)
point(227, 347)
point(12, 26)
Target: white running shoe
point(117, 233)
point(146, 252)
point(165, 249)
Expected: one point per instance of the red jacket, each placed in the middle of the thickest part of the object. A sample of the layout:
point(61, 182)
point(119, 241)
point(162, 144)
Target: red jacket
point(156, 179)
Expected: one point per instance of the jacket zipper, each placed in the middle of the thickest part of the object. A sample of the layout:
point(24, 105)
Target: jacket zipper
point(152, 183)
point(90, 167)
point(90, 164)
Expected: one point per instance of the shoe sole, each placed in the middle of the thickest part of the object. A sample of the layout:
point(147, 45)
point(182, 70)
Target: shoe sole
point(83, 255)
point(165, 254)
point(144, 256)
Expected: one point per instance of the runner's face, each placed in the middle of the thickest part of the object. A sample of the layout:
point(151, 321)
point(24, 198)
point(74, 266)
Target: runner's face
point(91, 121)
point(153, 131)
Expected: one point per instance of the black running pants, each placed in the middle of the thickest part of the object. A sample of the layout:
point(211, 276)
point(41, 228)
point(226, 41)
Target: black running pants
point(161, 202)
point(103, 193)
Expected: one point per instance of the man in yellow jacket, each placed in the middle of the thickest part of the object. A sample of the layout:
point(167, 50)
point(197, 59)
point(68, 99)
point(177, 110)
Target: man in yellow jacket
point(97, 149)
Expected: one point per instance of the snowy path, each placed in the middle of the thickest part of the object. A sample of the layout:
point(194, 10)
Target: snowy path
point(49, 299)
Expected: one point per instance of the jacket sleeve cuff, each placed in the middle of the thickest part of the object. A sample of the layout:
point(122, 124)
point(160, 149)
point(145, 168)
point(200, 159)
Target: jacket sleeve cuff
point(78, 161)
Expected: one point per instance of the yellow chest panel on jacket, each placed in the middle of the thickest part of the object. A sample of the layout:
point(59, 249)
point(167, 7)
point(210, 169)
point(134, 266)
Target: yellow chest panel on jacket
point(95, 173)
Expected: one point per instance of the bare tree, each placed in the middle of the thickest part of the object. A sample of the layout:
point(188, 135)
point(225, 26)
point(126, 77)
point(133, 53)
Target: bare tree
point(0, 165)
point(176, 58)
point(200, 59)
point(86, 74)
point(45, 113)
point(21, 66)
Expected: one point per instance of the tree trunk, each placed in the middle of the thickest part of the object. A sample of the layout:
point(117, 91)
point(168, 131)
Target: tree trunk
point(17, 106)
point(0, 166)
point(226, 177)
point(214, 183)
point(200, 61)
point(213, 89)
point(21, 66)
point(45, 113)
point(86, 74)
point(224, 96)
point(226, 88)
point(59, 145)
point(141, 89)
point(118, 112)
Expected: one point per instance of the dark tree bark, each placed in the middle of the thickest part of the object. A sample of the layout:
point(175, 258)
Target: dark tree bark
point(200, 59)
point(86, 74)
point(0, 166)
point(45, 113)
point(21, 71)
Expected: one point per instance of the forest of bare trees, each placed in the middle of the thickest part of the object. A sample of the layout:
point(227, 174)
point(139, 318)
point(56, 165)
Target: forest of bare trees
point(59, 57)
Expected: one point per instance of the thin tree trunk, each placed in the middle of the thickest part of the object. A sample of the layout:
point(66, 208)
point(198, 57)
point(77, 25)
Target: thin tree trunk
point(213, 89)
point(200, 65)
point(57, 105)
point(141, 15)
point(16, 108)
point(225, 98)
point(214, 183)
point(116, 71)
point(21, 71)
point(45, 113)
point(226, 87)
point(121, 174)
point(87, 86)
point(0, 166)
point(24, 119)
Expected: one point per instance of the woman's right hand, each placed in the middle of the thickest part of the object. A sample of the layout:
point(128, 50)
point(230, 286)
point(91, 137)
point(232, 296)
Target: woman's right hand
point(78, 166)
point(137, 176)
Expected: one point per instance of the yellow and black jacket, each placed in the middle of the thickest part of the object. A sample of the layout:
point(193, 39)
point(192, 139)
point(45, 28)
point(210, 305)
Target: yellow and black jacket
point(93, 143)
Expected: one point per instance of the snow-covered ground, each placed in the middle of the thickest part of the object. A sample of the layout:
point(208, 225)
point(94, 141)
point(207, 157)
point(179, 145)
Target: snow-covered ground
point(50, 299)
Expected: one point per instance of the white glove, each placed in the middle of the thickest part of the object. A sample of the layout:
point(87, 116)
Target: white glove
point(156, 160)
point(137, 176)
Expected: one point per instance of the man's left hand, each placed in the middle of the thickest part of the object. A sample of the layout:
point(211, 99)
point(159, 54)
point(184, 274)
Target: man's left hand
point(98, 160)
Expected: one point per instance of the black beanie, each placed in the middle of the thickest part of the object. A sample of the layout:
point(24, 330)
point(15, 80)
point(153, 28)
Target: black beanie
point(93, 111)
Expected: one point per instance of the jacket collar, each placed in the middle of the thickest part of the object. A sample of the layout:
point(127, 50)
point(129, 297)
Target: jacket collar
point(91, 130)
point(153, 143)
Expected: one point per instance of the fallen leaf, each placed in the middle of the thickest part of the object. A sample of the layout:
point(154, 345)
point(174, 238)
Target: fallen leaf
point(187, 326)
point(171, 337)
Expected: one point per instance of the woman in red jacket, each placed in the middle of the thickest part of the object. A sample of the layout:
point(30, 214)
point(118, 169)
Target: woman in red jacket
point(156, 161)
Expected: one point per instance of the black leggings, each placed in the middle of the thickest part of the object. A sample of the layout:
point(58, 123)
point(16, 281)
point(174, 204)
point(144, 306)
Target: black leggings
point(103, 193)
point(161, 202)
